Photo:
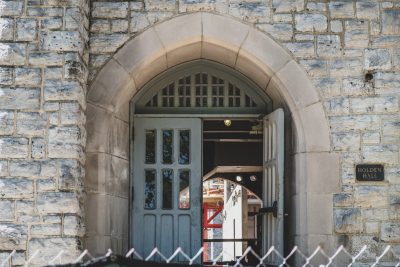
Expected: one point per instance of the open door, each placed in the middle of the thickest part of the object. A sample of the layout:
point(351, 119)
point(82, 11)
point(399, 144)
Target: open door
point(273, 183)
point(167, 183)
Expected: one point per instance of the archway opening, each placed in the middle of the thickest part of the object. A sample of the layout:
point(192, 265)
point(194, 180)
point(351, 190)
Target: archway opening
point(243, 48)
point(202, 118)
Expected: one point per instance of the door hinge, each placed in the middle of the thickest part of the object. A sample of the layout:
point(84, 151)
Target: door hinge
point(273, 209)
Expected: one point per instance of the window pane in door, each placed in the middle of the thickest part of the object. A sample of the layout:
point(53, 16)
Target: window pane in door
point(184, 189)
point(150, 190)
point(167, 151)
point(150, 147)
point(167, 180)
point(184, 147)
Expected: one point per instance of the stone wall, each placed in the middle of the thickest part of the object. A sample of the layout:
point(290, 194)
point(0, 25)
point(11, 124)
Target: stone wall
point(43, 73)
point(351, 52)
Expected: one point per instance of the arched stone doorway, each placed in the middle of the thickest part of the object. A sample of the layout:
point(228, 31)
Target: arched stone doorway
point(312, 170)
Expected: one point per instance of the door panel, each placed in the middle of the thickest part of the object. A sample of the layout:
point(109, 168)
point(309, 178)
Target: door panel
point(273, 181)
point(167, 185)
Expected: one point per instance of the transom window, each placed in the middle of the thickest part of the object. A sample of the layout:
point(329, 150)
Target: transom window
point(202, 87)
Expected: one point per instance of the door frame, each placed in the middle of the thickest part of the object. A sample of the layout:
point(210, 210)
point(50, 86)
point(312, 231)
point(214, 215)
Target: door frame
point(131, 150)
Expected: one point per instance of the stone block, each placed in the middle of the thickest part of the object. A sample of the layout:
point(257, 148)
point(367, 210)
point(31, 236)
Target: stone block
point(377, 59)
point(46, 59)
point(327, 86)
point(31, 123)
point(27, 218)
point(25, 206)
point(53, 73)
point(371, 138)
point(387, 82)
point(338, 105)
point(354, 123)
point(57, 202)
point(45, 11)
point(282, 18)
point(64, 90)
point(7, 210)
point(110, 9)
point(391, 21)
point(65, 142)
point(346, 66)
point(280, 31)
point(38, 150)
point(336, 26)
point(100, 26)
point(6, 76)
point(160, 5)
point(314, 6)
point(53, 23)
point(372, 227)
point(315, 67)
point(310, 22)
point(381, 153)
point(356, 33)
point(341, 9)
point(301, 49)
point(70, 175)
point(16, 188)
point(61, 41)
point(254, 12)
point(119, 25)
point(367, 9)
point(72, 226)
point(28, 76)
point(50, 247)
point(6, 123)
point(390, 231)
point(342, 199)
point(328, 45)
point(107, 43)
point(348, 141)
point(71, 113)
point(356, 86)
point(25, 168)
point(288, 6)
point(74, 68)
point(18, 259)
point(374, 104)
point(138, 21)
point(13, 147)
point(347, 220)
point(52, 219)
point(12, 54)
point(19, 98)
point(11, 8)
point(13, 236)
point(72, 18)
point(7, 29)
point(370, 196)
point(26, 30)
point(3, 168)
point(39, 230)
point(45, 185)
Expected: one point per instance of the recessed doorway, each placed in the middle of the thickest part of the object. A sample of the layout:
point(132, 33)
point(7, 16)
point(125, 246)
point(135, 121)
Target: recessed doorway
point(232, 189)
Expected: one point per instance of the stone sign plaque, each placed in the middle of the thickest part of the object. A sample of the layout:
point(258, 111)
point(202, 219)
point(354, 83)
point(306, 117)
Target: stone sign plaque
point(369, 172)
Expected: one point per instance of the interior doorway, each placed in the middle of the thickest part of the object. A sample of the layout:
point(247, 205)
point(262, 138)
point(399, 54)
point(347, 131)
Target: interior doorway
point(232, 188)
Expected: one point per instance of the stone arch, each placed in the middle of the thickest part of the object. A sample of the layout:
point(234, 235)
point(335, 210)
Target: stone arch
point(314, 168)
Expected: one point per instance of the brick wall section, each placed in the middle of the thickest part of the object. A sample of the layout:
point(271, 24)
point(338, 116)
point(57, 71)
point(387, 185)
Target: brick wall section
point(43, 73)
point(337, 43)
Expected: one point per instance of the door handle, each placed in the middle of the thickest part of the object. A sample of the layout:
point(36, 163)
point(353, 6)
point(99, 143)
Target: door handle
point(273, 209)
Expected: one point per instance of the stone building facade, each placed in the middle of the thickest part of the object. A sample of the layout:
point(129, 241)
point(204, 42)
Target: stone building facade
point(64, 143)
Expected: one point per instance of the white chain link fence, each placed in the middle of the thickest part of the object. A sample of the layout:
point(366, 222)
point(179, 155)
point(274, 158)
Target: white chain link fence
point(328, 260)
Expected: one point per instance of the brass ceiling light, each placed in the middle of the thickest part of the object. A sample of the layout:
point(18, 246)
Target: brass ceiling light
point(227, 123)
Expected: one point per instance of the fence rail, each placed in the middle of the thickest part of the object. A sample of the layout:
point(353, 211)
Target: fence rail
point(272, 252)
